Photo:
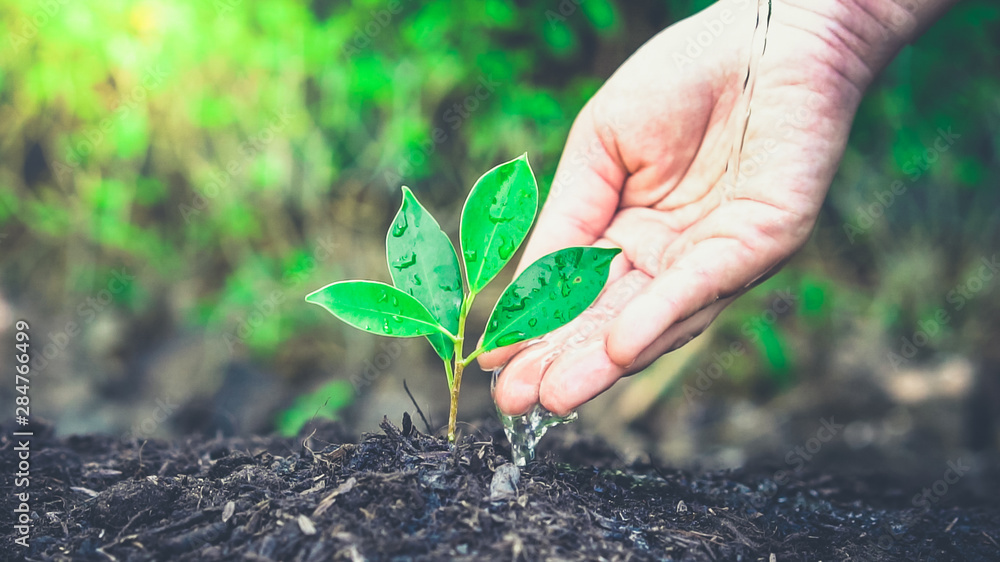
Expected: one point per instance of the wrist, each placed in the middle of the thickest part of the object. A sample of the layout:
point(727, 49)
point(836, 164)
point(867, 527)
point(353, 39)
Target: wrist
point(860, 37)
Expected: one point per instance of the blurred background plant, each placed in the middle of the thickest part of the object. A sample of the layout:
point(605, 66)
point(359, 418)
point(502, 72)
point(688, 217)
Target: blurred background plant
point(176, 175)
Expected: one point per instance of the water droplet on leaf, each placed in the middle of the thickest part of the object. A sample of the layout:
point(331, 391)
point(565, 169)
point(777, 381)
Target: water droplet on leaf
point(470, 255)
point(499, 206)
point(404, 261)
point(532, 322)
point(385, 327)
point(506, 248)
point(399, 227)
point(497, 216)
point(416, 281)
point(510, 338)
point(384, 297)
point(515, 306)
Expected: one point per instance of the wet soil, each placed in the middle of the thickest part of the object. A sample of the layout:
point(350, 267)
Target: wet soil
point(402, 495)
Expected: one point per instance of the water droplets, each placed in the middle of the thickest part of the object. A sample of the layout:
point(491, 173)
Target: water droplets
point(497, 216)
point(506, 249)
point(565, 288)
point(498, 208)
point(511, 338)
point(386, 329)
point(516, 305)
point(404, 261)
point(399, 227)
point(532, 322)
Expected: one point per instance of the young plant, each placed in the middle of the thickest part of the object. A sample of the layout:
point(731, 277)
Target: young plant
point(428, 297)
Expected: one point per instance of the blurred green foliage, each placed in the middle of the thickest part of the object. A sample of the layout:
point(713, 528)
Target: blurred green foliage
point(235, 155)
point(324, 403)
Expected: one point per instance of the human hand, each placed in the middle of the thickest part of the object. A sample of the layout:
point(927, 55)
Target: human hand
point(644, 169)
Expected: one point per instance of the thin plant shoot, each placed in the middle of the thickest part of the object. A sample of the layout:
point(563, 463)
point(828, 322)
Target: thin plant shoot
point(431, 297)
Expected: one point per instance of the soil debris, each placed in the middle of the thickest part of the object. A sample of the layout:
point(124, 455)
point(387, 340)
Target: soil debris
point(402, 495)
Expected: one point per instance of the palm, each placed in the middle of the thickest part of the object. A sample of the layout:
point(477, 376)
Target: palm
point(644, 169)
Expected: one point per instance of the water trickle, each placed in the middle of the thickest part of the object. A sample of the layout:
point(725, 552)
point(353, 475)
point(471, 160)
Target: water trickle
point(758, 43)
point(399, 227)
point(404, 261)
point(525, 431)
point(416, 280)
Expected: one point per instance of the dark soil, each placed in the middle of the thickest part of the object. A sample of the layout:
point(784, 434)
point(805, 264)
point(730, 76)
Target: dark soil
point(402, 495)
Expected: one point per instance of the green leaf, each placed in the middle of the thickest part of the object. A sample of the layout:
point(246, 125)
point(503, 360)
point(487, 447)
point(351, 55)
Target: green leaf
point(548, 294)
point(423, 263)
point(496, 219)
point(377, 308)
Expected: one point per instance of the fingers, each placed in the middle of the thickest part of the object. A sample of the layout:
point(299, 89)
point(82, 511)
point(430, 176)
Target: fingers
point(574, 367)
point(717, 259)
point(516, 388)
point(518, 385)
point(575, 378)
point(499, 357)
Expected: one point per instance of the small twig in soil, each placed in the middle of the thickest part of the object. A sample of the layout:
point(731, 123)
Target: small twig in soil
point(127, 525)
point(417, 406)
point(991, 539)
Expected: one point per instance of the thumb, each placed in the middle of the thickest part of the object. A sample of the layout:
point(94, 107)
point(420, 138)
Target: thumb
point(581, 203)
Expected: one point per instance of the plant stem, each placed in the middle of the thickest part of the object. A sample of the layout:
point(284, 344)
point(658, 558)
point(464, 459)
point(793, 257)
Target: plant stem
point(453, 413)
point(447, 371)
point(472, 356)
point(455, 377)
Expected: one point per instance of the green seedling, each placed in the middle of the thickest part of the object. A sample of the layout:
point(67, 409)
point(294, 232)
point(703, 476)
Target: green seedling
point(428, 297)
